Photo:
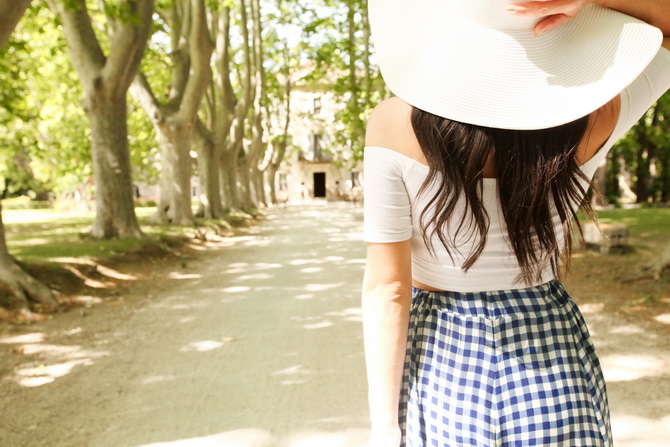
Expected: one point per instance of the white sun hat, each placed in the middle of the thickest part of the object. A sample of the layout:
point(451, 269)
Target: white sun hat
point(474, 62)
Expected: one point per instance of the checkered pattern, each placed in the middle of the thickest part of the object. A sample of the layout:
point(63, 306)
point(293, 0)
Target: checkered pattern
point(506, 368)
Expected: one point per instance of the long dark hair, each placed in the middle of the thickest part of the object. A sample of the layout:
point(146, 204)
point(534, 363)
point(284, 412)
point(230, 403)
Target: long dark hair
point(536, 174)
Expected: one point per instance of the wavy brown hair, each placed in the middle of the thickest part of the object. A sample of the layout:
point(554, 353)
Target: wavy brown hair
point(536, 174)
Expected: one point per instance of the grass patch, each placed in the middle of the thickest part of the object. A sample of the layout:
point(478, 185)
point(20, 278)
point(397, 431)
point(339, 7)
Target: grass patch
point(41, 235)
point(645, 224)
point(648, 228)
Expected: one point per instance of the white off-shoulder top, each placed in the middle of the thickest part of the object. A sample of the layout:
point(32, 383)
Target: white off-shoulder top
point(392, 205)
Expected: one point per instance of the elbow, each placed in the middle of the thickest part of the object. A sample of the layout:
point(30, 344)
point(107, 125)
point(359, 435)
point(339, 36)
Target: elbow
point(398, 292)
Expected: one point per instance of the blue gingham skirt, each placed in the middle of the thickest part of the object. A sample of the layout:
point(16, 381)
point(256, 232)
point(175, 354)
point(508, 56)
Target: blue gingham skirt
point(504, 368)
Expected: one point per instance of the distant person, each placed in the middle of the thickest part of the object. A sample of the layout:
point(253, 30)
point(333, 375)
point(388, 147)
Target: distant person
point(473, 175)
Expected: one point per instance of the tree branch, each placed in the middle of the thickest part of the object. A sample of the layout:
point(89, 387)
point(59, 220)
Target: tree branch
point(127, 44)
point(200, 49)
point(85, 52)
point(11, 12)
point(141, 91)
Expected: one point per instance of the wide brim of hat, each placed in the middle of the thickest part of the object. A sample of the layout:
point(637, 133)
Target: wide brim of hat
point(462, 69)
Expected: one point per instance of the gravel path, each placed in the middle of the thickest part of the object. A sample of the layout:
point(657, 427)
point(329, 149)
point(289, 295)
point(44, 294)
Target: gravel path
point(255, 345)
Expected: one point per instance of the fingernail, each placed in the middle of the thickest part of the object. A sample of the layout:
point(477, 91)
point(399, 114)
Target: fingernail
point(515, 9)
point(538, 33)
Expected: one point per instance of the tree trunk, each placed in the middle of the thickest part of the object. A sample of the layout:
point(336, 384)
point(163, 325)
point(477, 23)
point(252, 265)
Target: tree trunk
point(115, 211)
point(272, 182)
point(258, 180)
point(665, 176)
point(600, 186)
point(211, 205)
point(642, 176)
point(174, 205)
point(246, 194)
point(228, 177)
point(11, 12)
point(24, 288)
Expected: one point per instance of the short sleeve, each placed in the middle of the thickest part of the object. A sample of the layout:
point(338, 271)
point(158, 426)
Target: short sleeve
point(387, 209)
point(636, 99)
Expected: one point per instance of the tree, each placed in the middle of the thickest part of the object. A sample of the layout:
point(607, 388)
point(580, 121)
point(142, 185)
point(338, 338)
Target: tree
point(23, 286)
point(105, 79)
point(340, 44)
point(221, 133)
point(253, 188)
point(175, 119)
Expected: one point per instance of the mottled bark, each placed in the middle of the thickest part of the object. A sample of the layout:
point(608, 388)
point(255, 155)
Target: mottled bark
point(211, 205)
point(115, 212)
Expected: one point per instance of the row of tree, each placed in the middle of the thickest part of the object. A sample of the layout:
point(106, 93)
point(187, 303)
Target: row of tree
point(101, 92)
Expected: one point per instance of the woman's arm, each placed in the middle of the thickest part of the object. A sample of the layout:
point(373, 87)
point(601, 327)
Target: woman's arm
point(558, 12)
point(387, 291)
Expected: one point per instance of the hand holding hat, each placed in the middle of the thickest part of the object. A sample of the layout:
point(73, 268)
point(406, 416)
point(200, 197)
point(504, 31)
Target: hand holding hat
point(554, 12)
point(481, 62)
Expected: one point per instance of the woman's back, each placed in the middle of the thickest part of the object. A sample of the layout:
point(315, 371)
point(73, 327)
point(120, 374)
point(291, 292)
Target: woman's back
point(391, 141)
point(476, 182)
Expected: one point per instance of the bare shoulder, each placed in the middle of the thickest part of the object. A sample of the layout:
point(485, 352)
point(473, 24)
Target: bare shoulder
point(390, 127)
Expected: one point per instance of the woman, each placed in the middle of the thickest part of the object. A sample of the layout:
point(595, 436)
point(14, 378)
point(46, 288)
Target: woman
point(472, 176)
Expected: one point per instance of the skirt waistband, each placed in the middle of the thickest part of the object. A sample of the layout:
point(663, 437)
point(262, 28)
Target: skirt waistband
point(497, 303)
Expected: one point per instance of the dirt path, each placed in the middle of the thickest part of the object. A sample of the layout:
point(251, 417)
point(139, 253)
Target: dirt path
point(257, 345)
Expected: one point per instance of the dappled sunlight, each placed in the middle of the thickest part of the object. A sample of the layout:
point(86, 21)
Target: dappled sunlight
point(591, 308)
point(350, 314)
point(255, 242)
point(236, 289)
point(103, 270)
point(246, 437)
point(158, 379)
point(33, 337)
point(624, 368)
point(293, 375)
point(347, 237)
point(33, 241)
point(43, 374)
point(177, 275)
point(187, 319)
point(663, 318)
point(245, 268)
point(319, 325)
point(255, 276)
point(634, 431)
point(256, 437)
point(202, 346)
point(40, 371)
point(86, 300)
point(322, 287)
point(90, 282)
point(628, 329)
point(312, 438)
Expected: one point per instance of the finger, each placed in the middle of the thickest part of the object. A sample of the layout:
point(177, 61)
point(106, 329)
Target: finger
point(546, 8)
point(551, 22)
